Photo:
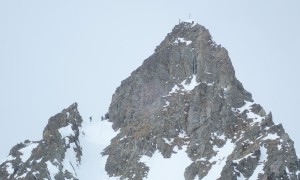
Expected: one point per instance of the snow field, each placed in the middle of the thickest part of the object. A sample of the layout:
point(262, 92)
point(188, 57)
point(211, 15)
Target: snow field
point(95, 136)
point(167, 168)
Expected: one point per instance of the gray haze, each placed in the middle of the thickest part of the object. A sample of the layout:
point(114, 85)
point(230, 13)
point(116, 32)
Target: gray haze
point(53, 53)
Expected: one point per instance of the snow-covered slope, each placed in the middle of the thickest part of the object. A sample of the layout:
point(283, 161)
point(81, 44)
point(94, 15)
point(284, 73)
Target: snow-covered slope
point(95, 136)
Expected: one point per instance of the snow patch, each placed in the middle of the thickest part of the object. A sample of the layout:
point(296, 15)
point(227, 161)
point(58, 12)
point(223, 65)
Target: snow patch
point(222, 137)
point(246, 106)
point(70, 162)
point(95, 136)
point(271, 137)
point(220, 160)
point(245, 157)
point(262, 160)
point(182, 135)
point(169, 141)
point(190, 86)
point(185, 86)
point(175, 89)
point(167, 104)
point(22, 176)
point(9, 168)
point(256, 118)
point(191, 21)
point(167, 168)
point(53, 170)
point(279, 147)
point(26, 151)
point(66, 131)
point(211, 84)
point(39, 160)
point(182, 40)
point(10, 158)
point(35, 173)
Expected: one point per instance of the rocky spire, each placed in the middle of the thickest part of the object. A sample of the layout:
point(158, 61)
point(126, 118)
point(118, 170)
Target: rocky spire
point(186, 96)
point(56, 156)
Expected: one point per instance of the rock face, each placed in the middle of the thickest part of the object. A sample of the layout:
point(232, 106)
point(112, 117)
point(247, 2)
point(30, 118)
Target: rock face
point(187, 95)
point(56, 156)
point(184, 98)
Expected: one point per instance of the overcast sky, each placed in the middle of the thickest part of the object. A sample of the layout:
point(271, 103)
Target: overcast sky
point(54, 53)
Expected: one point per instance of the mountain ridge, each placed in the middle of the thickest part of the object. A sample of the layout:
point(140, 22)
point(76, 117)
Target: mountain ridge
point(183, 101)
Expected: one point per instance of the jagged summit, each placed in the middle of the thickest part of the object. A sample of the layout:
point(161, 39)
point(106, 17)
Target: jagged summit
point(183, 33)
point(186, 97)
point(181, 115)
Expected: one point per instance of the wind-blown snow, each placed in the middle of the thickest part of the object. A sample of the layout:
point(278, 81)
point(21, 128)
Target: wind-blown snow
point(167, 168)
point(95, 136)
point(220, 160)
point(262, 160)
point(26, 151)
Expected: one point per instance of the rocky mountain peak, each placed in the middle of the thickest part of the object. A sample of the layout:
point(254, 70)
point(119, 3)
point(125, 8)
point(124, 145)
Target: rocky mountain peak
point(56, 156)
point(186, 97)
point(183, 105)
point(199, 53)
point(69, 117)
